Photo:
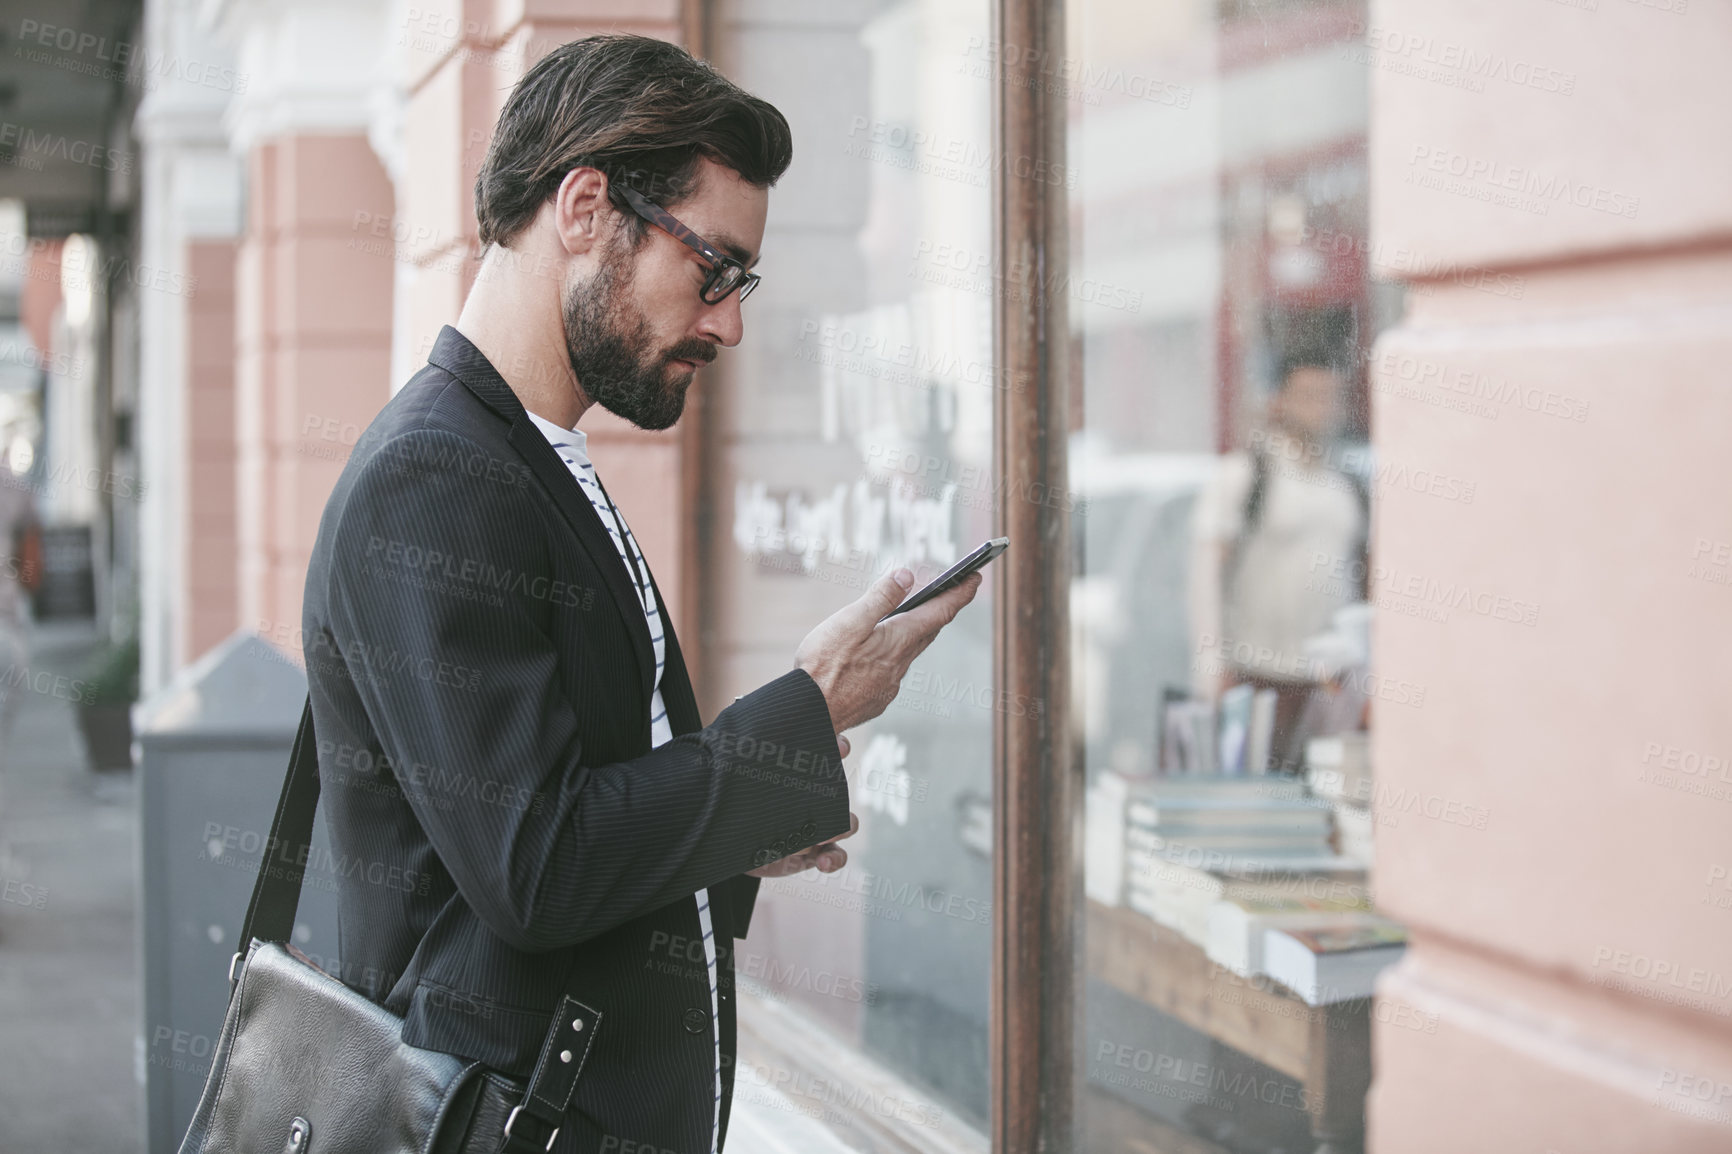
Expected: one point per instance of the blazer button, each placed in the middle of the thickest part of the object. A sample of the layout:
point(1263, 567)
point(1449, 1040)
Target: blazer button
point(696, 1021)
point(810, 829)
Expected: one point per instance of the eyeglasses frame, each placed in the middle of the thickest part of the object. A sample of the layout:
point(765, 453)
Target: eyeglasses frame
point(719, 262)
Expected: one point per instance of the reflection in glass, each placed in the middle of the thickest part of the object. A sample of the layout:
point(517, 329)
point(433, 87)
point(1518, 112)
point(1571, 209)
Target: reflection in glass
point(1221, 313)
point(853, 435)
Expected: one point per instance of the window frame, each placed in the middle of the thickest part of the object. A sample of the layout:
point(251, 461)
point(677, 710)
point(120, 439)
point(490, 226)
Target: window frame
point(1037, 775)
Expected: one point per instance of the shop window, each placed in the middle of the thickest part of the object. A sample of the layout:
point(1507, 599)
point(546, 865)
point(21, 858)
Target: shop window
point(1222, 312)
point(851, 435)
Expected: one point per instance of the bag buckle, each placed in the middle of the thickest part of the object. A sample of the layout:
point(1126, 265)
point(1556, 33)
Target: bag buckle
point(234, 968)
point(518, 1109)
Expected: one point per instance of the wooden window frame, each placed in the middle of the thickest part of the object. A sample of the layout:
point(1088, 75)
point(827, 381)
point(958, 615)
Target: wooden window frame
point(1036, 991)
point(1037, 777)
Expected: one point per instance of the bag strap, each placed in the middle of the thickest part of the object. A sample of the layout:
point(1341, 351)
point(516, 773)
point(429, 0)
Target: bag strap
point(277, 890)
point(271, 918)
point(1251, 517)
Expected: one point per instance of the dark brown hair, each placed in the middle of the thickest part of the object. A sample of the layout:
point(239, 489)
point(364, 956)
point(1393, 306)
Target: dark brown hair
point(641, 110)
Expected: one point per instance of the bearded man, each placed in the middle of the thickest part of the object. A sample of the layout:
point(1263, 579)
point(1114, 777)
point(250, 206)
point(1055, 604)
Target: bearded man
point(508, 739)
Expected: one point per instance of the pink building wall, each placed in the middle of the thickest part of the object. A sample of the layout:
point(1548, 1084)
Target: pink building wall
point(313, 354)
point(40, 295)
point(209, 611)
point(1568, 354)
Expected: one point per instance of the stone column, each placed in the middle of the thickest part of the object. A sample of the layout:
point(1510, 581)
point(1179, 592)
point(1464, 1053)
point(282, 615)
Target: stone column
point(1558, 834)
point(313, 292)
point(190, 219)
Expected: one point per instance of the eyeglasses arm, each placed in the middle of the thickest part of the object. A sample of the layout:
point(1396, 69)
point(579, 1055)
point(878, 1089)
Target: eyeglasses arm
point(665, 221)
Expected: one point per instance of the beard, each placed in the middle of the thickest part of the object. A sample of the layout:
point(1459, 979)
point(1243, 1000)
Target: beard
point(608, 338)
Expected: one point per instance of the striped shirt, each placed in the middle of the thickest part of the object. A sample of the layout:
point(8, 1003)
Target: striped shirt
point(571, 445)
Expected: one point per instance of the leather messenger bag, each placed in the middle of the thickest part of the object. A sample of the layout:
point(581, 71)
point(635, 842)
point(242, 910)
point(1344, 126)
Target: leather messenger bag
point(305, 1065)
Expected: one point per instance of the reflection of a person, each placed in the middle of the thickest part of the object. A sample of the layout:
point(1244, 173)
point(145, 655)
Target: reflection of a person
point(17, 514)
point(1279, 548)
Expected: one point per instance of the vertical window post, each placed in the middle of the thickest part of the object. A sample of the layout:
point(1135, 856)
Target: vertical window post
point(1037, 888)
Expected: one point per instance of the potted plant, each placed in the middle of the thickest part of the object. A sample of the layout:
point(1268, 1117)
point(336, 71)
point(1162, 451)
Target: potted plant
point(105, 705)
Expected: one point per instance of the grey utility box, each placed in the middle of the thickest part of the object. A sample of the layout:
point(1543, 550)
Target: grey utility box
point(213, 747)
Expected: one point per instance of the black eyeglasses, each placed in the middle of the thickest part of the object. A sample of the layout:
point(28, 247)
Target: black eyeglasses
point(726, 273)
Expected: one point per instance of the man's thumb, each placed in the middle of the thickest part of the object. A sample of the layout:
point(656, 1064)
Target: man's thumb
point(887, 592)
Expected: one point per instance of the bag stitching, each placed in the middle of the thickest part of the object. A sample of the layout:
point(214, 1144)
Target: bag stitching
point(547, 1054)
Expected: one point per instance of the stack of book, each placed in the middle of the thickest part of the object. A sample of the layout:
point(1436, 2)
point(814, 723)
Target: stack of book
point(1338, 770)
point(1104, 838)
point(1333, 963)
point(1181, 897)
point(1239, 922)
point(1239, 816)
point(1185, 836)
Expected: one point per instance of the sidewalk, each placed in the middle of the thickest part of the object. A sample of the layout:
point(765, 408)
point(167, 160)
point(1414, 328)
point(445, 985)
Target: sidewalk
point(68, 954)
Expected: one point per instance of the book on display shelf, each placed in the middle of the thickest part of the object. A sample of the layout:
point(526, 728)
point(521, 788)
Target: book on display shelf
point(1260, 743)
point(1333, 963)
point(1261, 843)
point(1155, 809)
point(1271, 787)
point(1353, 828)
point(1179, 895)
point(1235, 733)
point(1338, 770)
point(1104, 838)
point(1188, 739)
point(1237, 923)
point(1223, 823)
point(1338, 767)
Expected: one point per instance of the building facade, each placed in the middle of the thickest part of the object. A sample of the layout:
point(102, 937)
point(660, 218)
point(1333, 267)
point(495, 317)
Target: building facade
point(1042, 269)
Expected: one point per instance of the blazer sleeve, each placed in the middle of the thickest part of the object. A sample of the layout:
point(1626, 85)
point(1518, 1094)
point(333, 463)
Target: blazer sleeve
point(736, 898)
point(469, 704)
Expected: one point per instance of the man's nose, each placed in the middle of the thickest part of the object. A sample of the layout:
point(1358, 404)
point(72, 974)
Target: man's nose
point(722, 322)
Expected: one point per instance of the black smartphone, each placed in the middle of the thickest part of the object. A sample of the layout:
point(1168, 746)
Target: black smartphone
point(952, 577)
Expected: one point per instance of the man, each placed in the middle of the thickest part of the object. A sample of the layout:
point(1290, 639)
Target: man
point(1274, 533)
point(508, 739)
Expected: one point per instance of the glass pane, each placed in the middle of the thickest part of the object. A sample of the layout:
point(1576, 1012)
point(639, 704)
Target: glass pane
point(1222, 312)
point(851, 435)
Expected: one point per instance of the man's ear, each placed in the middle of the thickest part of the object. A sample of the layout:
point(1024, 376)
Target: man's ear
point(582, 215)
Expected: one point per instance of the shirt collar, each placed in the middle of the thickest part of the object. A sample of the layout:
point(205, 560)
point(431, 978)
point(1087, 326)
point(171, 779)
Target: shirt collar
point(558, 435)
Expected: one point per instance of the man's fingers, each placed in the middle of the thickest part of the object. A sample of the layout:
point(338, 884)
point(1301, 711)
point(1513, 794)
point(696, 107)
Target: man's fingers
point(924, 623)
point(885, 594)
point(843, 745)
point(784, 867)
point(942, 609)
point(826, 858)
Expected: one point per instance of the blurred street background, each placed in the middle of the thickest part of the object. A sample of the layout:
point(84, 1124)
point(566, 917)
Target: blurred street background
point(68, 955)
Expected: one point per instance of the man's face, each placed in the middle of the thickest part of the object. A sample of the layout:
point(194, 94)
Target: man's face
point(1309, 405)
point(636, 329)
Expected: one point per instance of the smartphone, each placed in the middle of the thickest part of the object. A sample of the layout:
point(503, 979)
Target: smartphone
point(952, 577)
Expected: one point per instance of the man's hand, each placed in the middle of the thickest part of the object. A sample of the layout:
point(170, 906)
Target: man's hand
point(859, 662)
point(826, 858)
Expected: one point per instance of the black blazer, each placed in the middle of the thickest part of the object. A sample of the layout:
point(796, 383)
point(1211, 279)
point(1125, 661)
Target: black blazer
point(480, 672)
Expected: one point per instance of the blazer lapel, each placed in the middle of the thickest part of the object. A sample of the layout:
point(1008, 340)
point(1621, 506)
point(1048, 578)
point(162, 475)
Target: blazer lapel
point(594, 537)
point(453, 353)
